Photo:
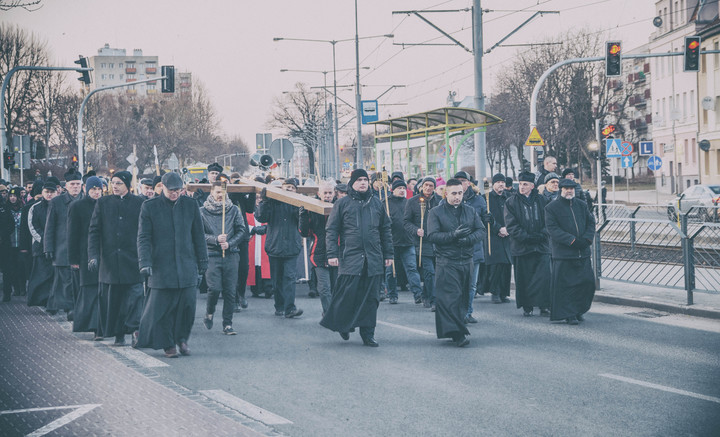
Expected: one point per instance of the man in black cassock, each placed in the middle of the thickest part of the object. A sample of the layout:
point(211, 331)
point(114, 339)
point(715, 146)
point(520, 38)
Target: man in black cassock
point(173, 255)
point(454, 228)
point(529, 246)
point(572, 230)
point(497, 257)
point(112, 249)
point(359, 241)
point(42, 272)
point(65, 282)
point(86, 313)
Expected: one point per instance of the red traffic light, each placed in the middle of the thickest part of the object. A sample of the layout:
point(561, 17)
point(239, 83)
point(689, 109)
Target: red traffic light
point(74, 159)
point(607, 130)
point(614, 49)
point(693, 44)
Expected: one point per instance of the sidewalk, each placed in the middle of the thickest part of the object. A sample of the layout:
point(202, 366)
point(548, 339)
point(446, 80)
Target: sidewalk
point(51, 381)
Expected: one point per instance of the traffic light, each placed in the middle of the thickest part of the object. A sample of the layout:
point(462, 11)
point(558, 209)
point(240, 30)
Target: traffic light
point(9, 160)
point(608, 130)
point(613, 58)
point(74, 160)
point(692, 53)
point(168, 84)
point(84, 75)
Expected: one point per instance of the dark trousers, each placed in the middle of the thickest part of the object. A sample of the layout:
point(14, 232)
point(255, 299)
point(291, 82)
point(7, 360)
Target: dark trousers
point(13, 273)
point(243, 270)
point(124, 308)
point(427, 270)
point(283, 271)
point(62, 294)
point(222, 276)
point(168, 317)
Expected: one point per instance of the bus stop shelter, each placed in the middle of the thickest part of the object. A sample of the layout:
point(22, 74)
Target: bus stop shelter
point(420, 144)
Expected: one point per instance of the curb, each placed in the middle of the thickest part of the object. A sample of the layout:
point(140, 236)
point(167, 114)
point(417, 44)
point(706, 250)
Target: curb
point(688, 310)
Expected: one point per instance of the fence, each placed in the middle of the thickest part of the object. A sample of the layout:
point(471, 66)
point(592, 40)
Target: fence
point(639, 245)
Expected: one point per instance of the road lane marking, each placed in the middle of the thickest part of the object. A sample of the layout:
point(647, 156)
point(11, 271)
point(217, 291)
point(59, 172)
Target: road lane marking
point(405, 328)
point(661, 387)
point(245, 408)
point(139, 358)
point(79, 411)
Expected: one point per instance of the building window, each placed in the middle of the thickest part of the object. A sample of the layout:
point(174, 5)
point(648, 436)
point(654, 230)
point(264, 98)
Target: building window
point(112, 76)
point(692, 103)
point(684, 106)
point(686, 155)
point(102, 65)
point(103, 76)
point(693, 149)
point(716, 56)
point(121, 65)
point(121, 76)
point(111, 65)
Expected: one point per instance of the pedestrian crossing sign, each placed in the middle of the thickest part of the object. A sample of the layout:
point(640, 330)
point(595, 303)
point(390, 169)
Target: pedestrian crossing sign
point(612, 148)
point(534, 139)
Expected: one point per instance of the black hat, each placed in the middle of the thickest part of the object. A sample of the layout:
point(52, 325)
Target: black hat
point(397, 174)
point(16, 191)
point(526, 176)
point(356, 174)
point(72, 175)
point(508, 181)
point(156, 180)
point(567, 171)
point(93, 182)
point(550, 176)
point(172, 181)
point(146, 181)
point(462, 175)
point(54, 180)
point(88, 174)
point(215, 167)
point(398, 183)
point(37, 187)
point(499, 177)
point(124, 176)
point(341, 188)
point(51, 186)
point(291, 181)
point(567, 183)
point(429, 179)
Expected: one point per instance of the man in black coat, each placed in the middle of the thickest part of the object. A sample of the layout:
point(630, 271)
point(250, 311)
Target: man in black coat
point(42, 272)
point(112, 249)
point(403, 246)
point(246, 204)
point(172, 253)
point(454, 228)
point(223, 256)
point(497, 259)
point(65, 283)
point(25, 236)
point(312, 226)
point(282, 244)
point(525, 222)
point(572, 231)
point(214, 171)
point(359, 241)
point(86, 313)
point(415, 223)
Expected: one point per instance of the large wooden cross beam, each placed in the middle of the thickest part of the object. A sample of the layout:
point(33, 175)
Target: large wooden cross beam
point(274, 192)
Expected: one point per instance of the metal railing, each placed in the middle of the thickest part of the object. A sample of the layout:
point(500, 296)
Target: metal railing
point(638, 245)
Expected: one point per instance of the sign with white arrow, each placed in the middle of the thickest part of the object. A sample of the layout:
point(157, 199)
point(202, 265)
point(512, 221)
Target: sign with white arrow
point(654, 163)
point(627, 161)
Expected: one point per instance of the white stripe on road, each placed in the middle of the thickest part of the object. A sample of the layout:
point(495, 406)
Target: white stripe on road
point(79, 411)
point(405, 328)
point(139, 358)
point(661, 387)
point(245, 408)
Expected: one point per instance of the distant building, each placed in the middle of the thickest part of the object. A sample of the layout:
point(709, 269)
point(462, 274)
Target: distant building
point(709, 95)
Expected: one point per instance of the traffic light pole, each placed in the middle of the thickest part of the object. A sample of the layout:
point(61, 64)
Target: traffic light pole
point(81, 147)
point(6, 81)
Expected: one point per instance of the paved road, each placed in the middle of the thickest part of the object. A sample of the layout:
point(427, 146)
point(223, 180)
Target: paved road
point(614, 374)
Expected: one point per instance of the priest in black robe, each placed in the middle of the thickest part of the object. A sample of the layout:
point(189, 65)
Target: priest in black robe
point(42, 272)
point(572, 231)
point(497, 258)
point(529, 246)
point(86, 313)
point(359, 241)
point(454, 228)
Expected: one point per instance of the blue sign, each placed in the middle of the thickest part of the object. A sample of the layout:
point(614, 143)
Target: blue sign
point(627, 161)
point(647, 148)
point(612, 148)
point(626, 148)
point(369, 111)
point(654, 163)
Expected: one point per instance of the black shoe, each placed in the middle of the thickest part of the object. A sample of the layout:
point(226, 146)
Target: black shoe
point(370, 342)
point(393, 300)
point(527, 313)
point(504, 299)
point(418, 299)
point(70, 316)
point(208, 321)
point(462, 341)
point(228, 330)
point(544, 312)
point(572, 321)
point(432, 308)
point(313, 294)
point(119, 340)
point(294, 313)
point(580, 318)
point(496, 299)
point(470, 319)
point(345, 336)
point(237, 308)
point(134, 339)
point(184, 349)
point(279, 313)
point(243, 302)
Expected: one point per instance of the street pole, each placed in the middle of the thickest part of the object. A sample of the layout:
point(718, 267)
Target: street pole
point(337, 129)
point(599, 167)
point(357, 94)
point(479, 100)
point(3, 126)
point(81, 148)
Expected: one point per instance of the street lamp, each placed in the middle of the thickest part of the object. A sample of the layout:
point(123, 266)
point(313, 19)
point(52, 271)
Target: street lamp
point(333, 42)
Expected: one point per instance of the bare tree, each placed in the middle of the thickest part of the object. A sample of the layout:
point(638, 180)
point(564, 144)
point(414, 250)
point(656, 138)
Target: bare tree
point(28, 5)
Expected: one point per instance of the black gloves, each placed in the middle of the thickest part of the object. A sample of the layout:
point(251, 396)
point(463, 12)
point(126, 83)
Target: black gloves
point(579, 243)
point(464, 242)
point(146, 272)
point(462, 231)
point(487, 219)
point(92, 266)
point(259, 230)
point(50, 255)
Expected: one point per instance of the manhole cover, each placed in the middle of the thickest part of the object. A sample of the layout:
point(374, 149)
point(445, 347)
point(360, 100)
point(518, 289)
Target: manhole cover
point(648, 314)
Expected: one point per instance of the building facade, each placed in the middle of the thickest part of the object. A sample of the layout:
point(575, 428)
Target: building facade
point(709, 96)
point(114, 66)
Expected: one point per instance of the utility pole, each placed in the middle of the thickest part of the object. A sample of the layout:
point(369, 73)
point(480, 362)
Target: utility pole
point(358, 98)
point(479, 100)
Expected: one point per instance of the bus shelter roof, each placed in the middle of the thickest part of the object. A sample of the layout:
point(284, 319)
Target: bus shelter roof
point(435, 122)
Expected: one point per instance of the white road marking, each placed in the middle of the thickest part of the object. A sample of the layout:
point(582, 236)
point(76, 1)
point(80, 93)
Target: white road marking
point(78, 411)
point(661, 387)
point(140, 358)
point(244, 407)
point(405, 328)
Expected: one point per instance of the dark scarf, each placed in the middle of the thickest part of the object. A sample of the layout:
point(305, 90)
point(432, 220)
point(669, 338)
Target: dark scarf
point(214, 207)
point(358, 195)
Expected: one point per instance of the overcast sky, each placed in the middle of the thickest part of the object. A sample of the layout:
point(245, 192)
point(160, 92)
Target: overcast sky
point(228, 44)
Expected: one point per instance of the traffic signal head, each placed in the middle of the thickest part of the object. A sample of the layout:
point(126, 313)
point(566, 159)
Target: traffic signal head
point(613, 58)
point(692, 53)
point(168, 84)
point(9, 160)
point(84, 75)
point(607, 130)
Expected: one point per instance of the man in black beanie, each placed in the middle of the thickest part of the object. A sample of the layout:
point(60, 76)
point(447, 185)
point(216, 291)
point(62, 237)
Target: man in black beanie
point(403, 246)
point(112, 250)
point(525, 222)
point(66, 280)
point(497, 258)
point(360, 222)
point(214, 171)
